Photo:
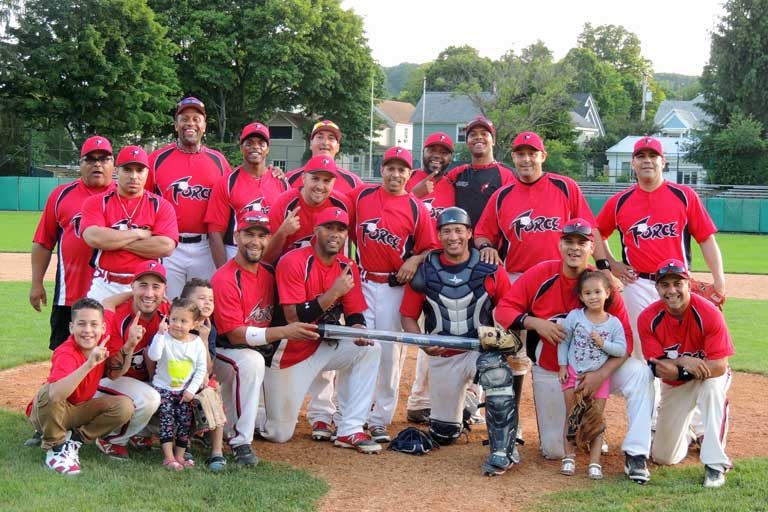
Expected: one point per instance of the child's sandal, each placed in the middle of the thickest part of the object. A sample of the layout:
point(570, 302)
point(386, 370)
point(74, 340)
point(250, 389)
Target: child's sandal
point(595, 471)
point(568, 466)
point(173, 465)
point(187, 462)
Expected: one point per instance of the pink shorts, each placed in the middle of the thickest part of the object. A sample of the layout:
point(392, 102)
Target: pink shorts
point(602, 392)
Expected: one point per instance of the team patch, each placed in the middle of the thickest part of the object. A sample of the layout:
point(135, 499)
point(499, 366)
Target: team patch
point(257, 205)
point(673, 352)
point(76, 220)
point(261, 314)
point(526, 223)
point(434, 211)
point(182, 188)
point(641, 230)
point(371, 231)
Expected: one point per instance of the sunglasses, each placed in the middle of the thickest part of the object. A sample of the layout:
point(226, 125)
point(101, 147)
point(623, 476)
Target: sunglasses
point(671, 269)
point(255, 220)
point(92, 160)
point(577, 229)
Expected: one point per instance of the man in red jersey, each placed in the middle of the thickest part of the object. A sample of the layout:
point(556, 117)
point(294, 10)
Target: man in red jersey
point(184, 172)
point(537, 301)
point(477, 181)
point(244, 289)
point(687, 345)
point(127, 226)
point(393, 235)
point(60, 227)
point(318, 283)
point(324, 141)
point(522, 222)
point(250, 187)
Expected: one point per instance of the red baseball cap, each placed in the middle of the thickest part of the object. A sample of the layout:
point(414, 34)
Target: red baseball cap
point(648, 143)
point(577, 226)
point(190, 102)
point(320, 163)
point(251, 219)
point(253, 129)
point(439, 139)
point(96, 143)
point(150, 267)
point(672, 267)
point(481, 121)
point(528, 139)
point(132, 155)
point(331, 215)
point(328, 126)
point(398, 153)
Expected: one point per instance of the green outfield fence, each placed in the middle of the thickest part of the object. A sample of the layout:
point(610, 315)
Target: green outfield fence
point(738, 215)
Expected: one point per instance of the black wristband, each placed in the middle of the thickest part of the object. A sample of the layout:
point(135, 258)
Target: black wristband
point(309, 311)
point(603, 264)
point(485, 245)
point(683, 374)
point(355, 319)
point(652, 366)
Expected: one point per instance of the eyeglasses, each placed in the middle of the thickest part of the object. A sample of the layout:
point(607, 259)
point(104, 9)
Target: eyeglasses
point(92, 160)
point(253, 142)
point(577, 228)
point(671, 268)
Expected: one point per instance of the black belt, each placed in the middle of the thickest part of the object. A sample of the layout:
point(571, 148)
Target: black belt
point(646, 275)
point(191, 239)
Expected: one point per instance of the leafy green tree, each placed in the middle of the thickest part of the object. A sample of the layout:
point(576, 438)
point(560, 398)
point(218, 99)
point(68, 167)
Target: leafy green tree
point(91, 66)
point(397, 76)
point(414, 84)
point(600, 79)
point(459, 66)
point(734, 80)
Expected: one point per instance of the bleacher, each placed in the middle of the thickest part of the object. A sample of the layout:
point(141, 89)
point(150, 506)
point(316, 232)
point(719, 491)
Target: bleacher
point(704, 191)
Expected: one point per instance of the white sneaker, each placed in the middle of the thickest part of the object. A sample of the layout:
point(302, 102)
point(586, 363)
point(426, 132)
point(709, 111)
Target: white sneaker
point(64, 459)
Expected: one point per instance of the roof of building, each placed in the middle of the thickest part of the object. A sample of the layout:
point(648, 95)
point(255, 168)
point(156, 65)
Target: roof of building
point(689, 112)
point(398, 111)
point(447, 107)
point(671, 145)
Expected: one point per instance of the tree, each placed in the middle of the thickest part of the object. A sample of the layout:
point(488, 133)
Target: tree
point(90, 66)
point(600, 79)
point(397, 76)
point(734, 79)
point(459, 66)
point(414, 84)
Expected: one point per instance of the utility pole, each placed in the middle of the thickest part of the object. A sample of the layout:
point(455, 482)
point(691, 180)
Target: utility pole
point(423, 112)
point(370, 136)
point(645, 86)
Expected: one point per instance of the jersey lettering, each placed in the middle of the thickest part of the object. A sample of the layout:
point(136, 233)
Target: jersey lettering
point(524, 223)
point(382, 236)
point(76, 223)
point(261, 314)
point(641, 230)
point(181, 187)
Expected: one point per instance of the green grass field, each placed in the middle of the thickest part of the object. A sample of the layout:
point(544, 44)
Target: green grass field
point(18, 229)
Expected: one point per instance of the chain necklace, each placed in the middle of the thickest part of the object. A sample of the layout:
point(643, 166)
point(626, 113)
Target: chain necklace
point(125, 210)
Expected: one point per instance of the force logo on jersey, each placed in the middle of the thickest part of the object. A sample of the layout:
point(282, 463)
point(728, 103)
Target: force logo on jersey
point(181, 187)
point(374, 233)
point(524, 223)
point(257, 205)
point(434, 211)
point(123, 225)
point(76, 223)
point(672, 352)
point(642, 230)
point(260, 314)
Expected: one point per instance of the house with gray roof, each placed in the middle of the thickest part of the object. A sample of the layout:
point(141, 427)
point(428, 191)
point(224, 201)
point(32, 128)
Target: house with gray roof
point(677, 170)
point(678, 118)
point(586, 119)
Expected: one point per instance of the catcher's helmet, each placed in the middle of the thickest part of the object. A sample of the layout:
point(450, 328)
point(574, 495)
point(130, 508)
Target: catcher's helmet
point(453, 215)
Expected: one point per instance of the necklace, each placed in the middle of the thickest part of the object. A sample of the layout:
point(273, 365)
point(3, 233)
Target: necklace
point(184, 150)
point(125, 210)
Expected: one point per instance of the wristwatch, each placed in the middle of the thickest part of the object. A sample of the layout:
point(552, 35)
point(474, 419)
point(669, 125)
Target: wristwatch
point(603, 264)
point(485, 246)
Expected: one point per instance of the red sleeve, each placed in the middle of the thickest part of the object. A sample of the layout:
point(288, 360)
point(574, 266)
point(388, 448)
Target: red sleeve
point(116, 340)
point(412, 303)
point(501, 285)
point(290, 276)
point(717, 339)
point(652, 346)
point(277, 213)
point(93, 213)
point(451, 176)
point(354, 301)
point(507, 176)
point(166, 223)
point(425, 235)
point(579, 206)
point(618, 310)
point(228, 311)
point(217, 213)
point(488, 225)
point(151, 180)
point(701, 224)
point(48, 228)
point(63, 363)
point(606, 219)
point(518, 298)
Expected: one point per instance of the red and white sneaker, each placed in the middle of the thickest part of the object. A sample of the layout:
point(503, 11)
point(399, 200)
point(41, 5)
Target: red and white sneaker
point(360, 441)
point(114, 451)
point(64, 459)
point(141, 442)
point(321, 431)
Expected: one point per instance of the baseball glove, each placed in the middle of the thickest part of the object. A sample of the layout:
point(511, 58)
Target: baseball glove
point(585, 422)
point(498, 338)
point(707, 290)
point(208, 410)
point(413, 441)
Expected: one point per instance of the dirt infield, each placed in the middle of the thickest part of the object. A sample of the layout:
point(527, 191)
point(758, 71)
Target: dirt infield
point(449, 479)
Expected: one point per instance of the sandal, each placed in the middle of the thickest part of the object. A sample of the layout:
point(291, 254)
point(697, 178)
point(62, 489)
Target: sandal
point(173, 465)
point(568, 466)
point(595, 471)
point(187, 461)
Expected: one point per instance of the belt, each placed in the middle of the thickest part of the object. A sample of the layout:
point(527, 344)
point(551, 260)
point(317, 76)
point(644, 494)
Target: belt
point(192, 239)
point(112, 277)
point(646, 275)
point(376, 277)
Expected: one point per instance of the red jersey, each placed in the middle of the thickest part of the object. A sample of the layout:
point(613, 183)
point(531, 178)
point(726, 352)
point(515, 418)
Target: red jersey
point(346, 181)
point(237, 193)
point(475, 185)
point(442, 196)
point(67, 358)
point(544, 292)
point(390, 228)
point(524, 220)
point(243, 299)
point(701, 332)
point(186, 181)
point(289, 200)
point(119, 323)
point(59, 227)
point(110, 210)
point(655, 226)
point(302, 277)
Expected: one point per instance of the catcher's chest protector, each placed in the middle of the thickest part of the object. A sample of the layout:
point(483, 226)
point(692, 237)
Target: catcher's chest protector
point(457, 302)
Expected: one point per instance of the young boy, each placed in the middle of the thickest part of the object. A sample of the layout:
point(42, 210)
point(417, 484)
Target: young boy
point(65, 402)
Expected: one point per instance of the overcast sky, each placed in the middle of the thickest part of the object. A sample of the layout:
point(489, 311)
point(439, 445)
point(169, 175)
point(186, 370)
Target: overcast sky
point(675, 34)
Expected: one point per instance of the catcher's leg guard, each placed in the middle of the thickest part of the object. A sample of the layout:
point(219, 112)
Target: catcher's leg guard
point(444, 432)
point(501, 417)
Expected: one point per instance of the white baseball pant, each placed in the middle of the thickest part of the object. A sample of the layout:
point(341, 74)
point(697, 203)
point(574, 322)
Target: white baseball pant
point(240, 372)
point(670, 445)
point(285, 388)
point(420, 394)
point(187, 261)
point(450, 377)
point(519, 361)
point(101, 289)
point(384, 313)
point(145, 399)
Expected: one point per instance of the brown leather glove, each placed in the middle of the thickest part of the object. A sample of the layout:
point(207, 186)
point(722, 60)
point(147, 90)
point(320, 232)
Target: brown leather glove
point(498, 338)
point(707, 290)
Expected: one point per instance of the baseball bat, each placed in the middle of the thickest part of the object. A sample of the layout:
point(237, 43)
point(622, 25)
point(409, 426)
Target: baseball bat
point(337, 332)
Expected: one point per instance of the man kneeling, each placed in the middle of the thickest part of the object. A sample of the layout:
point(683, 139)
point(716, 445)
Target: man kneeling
point(65, 402)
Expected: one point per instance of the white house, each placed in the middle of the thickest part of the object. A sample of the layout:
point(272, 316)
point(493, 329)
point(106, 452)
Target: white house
point(678, 118)
point(678, 169)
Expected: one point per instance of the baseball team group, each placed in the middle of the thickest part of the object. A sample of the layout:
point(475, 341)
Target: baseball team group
point(183, 285)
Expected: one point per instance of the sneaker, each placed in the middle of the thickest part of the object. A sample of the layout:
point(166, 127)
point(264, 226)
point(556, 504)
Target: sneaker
point(321, 431)
point(379, 434)
point(114, 451)
point(35, 440)
point(360, 441)
point(245, 456)
point(713, 478)
point(636, 468)
point(63, 459)
point(202, 439)
point(216, 463)
point(418, 415)
point(140, 443)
